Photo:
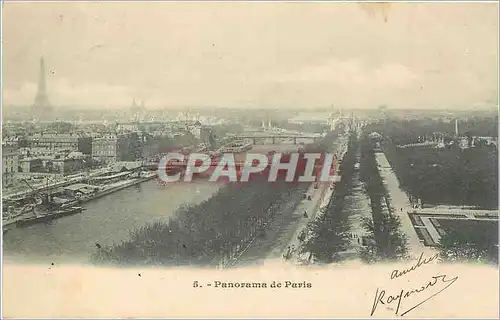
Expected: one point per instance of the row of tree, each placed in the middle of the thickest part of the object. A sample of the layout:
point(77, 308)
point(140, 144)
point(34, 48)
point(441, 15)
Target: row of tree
point(205, 233)
point(217, 229)
point(470, 241)
point(202, 234)
point(384, 240)
point(328, 235)
point(448, 176)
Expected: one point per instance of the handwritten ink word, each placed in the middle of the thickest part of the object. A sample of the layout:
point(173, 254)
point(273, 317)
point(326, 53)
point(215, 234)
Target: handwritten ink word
point(396, 273)
point(383, 299)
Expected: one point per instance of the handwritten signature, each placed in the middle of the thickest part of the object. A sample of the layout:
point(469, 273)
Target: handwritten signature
point(421, 261)
point(382, 298)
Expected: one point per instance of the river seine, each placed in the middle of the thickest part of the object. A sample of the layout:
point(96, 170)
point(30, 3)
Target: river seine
point(104, 221)
point(109, 219)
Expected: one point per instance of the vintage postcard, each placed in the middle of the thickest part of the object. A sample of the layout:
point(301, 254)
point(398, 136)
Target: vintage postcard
point(250, 159)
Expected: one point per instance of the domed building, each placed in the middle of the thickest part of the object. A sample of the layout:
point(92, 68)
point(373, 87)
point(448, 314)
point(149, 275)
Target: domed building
point(375, 136)
point(375, 139)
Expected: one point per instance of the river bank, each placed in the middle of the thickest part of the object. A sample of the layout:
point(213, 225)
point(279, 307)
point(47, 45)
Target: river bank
point(212, 233)
point(105, 221)
point(106, 190)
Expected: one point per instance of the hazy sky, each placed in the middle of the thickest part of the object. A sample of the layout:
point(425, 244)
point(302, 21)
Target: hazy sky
point(252, 54)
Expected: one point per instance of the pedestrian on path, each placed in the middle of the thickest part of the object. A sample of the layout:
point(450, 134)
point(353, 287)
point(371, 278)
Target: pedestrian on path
point(302, 236)
point(286, 255)
point(305, 214)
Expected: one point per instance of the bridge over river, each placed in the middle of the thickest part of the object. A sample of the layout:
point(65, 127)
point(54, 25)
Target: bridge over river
point(274, 138)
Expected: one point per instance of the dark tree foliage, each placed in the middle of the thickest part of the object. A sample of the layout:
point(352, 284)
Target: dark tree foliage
point(442, 176)
point(469, 240)
point(329, 234)
point(385, 241)
point(480, 126)
point(451, 176)
point(204, 234)
point(199, 234)
point(448, 176)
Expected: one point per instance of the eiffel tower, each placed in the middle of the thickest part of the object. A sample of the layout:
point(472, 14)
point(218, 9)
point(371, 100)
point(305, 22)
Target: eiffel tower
point(41, 106)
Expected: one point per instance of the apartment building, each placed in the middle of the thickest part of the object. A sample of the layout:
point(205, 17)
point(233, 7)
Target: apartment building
point(113, 147)
point(10, 164)
point(69, 141)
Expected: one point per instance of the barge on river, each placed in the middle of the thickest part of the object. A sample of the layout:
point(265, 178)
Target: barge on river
point(48, 216)
point(42, 207)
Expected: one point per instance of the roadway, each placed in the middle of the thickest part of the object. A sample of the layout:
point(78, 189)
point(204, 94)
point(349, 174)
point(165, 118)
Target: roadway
point(319, 198)
point(284, 230)
point(312, 208)
point(399, 200)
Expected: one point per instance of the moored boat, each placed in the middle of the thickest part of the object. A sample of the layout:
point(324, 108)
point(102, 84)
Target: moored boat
point(49, 216)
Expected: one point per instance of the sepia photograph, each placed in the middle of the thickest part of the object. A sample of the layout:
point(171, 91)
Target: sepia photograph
point(250, 159)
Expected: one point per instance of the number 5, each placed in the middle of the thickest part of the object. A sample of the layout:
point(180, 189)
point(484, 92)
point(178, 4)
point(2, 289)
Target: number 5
point(195, 284)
